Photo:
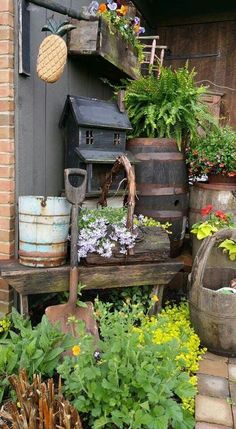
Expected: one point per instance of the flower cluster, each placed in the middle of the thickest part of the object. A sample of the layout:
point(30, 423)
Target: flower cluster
point(212, 222)
point(143, 374)
point(100, 236)
point(214, 153)
point(173, 325)
point(5, 324)
point(115, 14)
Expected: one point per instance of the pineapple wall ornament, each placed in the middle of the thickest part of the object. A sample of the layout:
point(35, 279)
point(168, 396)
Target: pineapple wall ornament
point(52, 54)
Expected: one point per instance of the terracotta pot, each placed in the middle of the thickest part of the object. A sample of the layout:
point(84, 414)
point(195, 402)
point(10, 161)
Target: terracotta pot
point(220, 178)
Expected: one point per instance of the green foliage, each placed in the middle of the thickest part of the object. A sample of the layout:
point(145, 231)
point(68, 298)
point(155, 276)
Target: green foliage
point(132, 381)
point(59, 29)
point(110, 214)
point(213, 153)
point(212, 222)
point(37, 350)
point(123, 25)
point(5, 325)
point(229, 247)
point(129, 296)
point(168, 107)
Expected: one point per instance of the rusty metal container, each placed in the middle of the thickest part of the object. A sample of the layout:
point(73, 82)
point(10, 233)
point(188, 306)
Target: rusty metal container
point(213, 314)
point(162, 185)
point(43, 230)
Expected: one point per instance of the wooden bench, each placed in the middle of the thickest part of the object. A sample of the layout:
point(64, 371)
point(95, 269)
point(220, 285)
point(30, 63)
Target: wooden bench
point(28, 281)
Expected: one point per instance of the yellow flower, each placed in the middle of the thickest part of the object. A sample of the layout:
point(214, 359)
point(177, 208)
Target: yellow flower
point(76, 350)
point(155, 298)
point(123, 10)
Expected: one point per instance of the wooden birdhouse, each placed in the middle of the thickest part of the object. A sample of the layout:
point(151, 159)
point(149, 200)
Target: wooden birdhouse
point(95, 135)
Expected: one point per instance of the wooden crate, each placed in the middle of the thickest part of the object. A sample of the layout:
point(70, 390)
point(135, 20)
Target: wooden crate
point(154, 246)
point(109, 53)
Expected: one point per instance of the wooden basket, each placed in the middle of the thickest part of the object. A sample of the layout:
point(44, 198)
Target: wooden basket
point(213, 314)
point(153, 243)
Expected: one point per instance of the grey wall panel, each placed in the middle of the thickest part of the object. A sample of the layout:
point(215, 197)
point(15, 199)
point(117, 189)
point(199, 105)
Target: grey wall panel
point(40, 143)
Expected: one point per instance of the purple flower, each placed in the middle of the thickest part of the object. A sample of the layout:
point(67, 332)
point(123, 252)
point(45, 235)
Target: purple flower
point(141, 30)
point(93, 7)
point(111, 5)
point(136, 20)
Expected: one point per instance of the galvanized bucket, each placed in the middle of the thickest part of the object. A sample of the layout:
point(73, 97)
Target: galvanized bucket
point(43, 230)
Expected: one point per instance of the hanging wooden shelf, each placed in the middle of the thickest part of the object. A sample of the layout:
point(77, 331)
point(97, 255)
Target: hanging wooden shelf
point(106, 50)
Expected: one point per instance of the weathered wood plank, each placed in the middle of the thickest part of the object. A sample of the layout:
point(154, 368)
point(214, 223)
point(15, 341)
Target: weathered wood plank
point(41, 280)
point(95, 39)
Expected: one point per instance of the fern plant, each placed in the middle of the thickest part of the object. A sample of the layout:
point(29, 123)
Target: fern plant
point(169, 107)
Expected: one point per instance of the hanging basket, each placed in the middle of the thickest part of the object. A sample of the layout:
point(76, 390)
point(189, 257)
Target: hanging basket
point(152, 242)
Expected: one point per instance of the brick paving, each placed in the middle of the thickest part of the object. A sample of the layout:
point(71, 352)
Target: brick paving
point(215, 406)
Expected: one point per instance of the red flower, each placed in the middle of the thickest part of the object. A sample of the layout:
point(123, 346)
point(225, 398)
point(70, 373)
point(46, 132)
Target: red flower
point(221, 215)
point(232, 174)
point(206, 210)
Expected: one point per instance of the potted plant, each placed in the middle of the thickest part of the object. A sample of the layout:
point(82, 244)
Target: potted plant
point(109, 37)
point(165, 113)
point(211, 222)
point(214, 155)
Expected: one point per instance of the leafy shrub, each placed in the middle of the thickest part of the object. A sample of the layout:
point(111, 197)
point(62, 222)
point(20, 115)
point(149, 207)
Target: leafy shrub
point(37, 350)
point(168, 107)
point(214, 153)
point(135, 379)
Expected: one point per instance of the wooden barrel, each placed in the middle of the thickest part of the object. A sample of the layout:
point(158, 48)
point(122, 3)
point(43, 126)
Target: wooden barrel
point(162, 185)
point(43, 230)
point(220, 196)
point(213, 314)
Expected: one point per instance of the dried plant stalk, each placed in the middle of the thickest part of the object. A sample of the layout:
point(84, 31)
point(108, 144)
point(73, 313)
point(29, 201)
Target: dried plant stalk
point(39, 406)
point(121, 162)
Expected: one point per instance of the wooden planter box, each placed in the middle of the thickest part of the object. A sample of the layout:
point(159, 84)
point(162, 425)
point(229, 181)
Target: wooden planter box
point(154, 246)
point(109, 54)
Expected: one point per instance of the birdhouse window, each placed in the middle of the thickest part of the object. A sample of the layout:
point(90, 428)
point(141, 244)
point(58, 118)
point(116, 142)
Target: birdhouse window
point(89, 137)
point(116, 140)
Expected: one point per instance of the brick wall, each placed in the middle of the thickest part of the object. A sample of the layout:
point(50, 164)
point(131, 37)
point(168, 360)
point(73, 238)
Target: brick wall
point(7, 156)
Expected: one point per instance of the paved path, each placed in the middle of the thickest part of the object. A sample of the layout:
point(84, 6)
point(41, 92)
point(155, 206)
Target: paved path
point(216, 399)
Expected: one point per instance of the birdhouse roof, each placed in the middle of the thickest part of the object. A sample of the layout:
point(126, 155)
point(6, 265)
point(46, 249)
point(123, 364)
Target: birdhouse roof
point(91, 112)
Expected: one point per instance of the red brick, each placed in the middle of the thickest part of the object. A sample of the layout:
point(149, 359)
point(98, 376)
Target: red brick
point(7, 171)
point(7, 198)
point(6, 6)
point(7, 19)
point(6, 223)
point(6, 76)
point(6, 90)
point(7, 248)
point(6, 119)
point(7, 185)
point(6, 159)
point(4, 285)
point(7, 132)
point(7, 236)
point(6, 105)
point(211, 367)
point(7, 210)
point(6, 33)
point(5, 257)
point(6, 47)
point(5, 307)
point(6, 61)
point(6, 147)
point(6, 296)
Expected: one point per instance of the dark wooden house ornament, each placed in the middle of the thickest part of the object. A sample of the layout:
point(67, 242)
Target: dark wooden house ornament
point(95, 135)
